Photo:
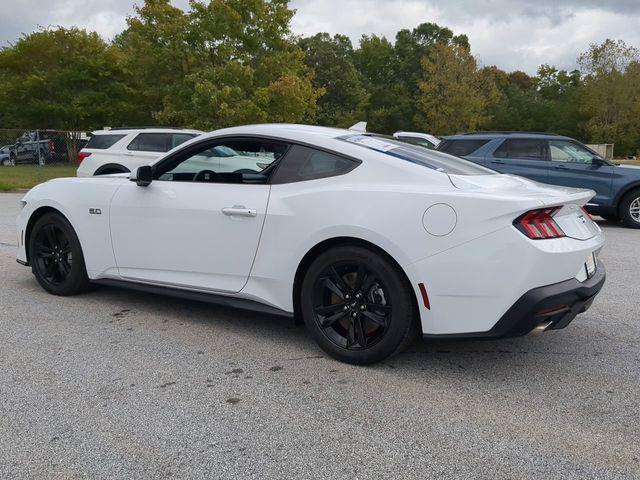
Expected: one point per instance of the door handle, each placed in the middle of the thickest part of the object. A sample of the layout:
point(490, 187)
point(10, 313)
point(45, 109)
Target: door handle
point(499, 162)
point(559, 167)
point(240, 211)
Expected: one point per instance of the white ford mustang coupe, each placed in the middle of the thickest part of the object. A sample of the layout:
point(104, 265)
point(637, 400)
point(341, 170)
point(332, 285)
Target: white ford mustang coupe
point(368, 240)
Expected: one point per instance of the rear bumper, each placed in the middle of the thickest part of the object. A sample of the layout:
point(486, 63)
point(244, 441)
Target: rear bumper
point(557, 304)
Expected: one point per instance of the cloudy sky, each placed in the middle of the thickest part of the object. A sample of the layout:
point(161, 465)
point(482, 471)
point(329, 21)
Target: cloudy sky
point(513, 34)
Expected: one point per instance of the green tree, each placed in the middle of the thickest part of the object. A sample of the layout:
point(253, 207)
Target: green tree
point(611, 95)
point(454, 96)
point(220, 64)
point(65, 79)
point(332, 59)
point(158, 52)
point(62, 78)
point(389, 105)
point(607, 57)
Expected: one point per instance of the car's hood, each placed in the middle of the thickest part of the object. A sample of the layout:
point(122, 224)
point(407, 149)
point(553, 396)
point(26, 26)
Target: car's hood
point(121, 175)
point(522, 188)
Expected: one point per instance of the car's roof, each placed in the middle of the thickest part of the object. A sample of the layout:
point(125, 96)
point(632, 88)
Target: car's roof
point(285, 131)
point(492, 135)
point(127, 130)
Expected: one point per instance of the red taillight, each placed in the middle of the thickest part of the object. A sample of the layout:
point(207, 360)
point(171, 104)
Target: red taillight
point(82, 156)
point(539, 224)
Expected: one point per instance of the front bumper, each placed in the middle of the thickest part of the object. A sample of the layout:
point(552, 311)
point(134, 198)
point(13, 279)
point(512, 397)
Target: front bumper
point(557, 304)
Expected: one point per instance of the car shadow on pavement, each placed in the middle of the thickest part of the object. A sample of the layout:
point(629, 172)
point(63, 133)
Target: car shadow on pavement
point(444, 357)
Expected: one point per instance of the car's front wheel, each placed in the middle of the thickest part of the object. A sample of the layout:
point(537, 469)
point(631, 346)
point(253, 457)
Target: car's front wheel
point(357, 305)
point(630, 209)
point(56, 256)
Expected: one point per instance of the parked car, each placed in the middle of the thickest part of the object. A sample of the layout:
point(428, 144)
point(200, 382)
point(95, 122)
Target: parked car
point(122, 150)
point(417, 138)
point(31, 147)
point(367, 240)
point(556, 160)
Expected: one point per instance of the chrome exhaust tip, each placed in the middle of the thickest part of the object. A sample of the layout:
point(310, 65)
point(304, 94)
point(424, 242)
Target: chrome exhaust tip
point(539, 329)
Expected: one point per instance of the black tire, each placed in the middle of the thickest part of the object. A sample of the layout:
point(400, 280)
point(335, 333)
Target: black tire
point(373, 302)
point(630, 209)
point(6, 162)
point(56, 256)
point(611, 218)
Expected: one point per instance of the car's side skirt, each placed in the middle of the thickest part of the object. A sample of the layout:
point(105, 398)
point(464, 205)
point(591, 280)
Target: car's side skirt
point(223, 300)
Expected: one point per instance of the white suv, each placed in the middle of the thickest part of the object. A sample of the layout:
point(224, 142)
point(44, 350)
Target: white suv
point(122, 150)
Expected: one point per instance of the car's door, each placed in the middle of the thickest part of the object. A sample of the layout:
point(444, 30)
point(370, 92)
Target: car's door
point(192, 226)
point(572, 165)
point(526, 157)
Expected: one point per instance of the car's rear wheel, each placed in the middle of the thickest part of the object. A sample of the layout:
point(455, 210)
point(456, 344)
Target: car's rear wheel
point(56, 256)
point(630, 209)
point(357, 305)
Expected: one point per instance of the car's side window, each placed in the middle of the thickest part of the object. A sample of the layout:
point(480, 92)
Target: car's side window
point(304, 163)
point(103, 142)
point(521, 149)
point(461, 147)
point(151, 142)
point(180, 138)
point(568, 151)
point(241, 160)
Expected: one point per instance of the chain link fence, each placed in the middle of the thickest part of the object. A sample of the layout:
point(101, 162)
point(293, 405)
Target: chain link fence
point(40, 147)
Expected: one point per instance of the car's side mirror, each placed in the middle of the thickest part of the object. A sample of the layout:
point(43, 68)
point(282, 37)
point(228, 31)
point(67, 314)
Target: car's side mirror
point(598, 162)
point(142, 175)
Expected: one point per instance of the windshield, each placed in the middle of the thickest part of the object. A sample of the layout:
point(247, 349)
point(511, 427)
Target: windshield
point(418, 155)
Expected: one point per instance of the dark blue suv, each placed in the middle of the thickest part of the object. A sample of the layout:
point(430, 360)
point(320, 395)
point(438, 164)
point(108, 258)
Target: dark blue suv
point(556, 160)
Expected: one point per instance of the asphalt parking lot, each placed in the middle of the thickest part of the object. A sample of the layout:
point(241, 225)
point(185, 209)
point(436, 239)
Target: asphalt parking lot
point(120, 384)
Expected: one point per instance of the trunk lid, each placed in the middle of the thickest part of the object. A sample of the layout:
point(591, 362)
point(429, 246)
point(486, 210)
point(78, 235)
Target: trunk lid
point(573, 220)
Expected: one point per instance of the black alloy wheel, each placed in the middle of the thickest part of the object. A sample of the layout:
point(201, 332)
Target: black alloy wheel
point(52, 254)
point(357, 305)
point(351, 306)
point(56, 256)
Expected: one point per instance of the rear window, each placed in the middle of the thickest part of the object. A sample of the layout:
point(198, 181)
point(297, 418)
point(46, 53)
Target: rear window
point(304, 163)
point(433, 159)
point(102, 142)
point(461, 147)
